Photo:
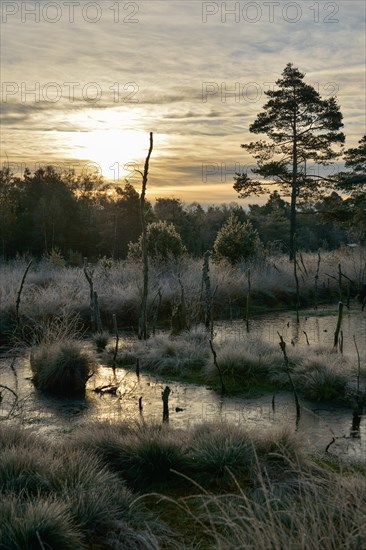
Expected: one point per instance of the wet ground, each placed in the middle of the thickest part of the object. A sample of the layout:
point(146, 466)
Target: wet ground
point(189, 404)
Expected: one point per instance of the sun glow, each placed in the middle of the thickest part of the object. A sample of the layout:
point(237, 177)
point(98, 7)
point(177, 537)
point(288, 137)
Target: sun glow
point(107, 142)
point(113, 152)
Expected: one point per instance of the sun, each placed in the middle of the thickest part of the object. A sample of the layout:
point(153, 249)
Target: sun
point(107, 142)
point(113, 152)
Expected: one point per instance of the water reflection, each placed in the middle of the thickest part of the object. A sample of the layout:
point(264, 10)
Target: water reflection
point(140, 396)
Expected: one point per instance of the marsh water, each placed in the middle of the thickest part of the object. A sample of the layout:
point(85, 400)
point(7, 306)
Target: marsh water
point(189, 404)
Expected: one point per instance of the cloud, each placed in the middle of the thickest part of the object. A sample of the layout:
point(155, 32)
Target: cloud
point(164, 60)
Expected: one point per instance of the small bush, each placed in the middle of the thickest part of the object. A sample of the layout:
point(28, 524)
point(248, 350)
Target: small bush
point(61, 368)
point(55, 258)
point(163, 243)
point(236, 241)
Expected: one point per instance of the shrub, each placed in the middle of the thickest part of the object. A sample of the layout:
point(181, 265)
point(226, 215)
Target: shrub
point(236, 241)
point(163, 243)
point(55, 258)
point(61, 368)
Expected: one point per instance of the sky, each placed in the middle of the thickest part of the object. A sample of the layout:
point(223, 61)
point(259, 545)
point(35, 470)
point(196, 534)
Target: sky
point(83, 83)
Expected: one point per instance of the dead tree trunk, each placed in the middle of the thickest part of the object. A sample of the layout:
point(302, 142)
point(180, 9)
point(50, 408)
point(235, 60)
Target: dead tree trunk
point(339, 323)
point(165, 397)
point(89, 278)
point(248, 301)
point(208, 292)
point(17, 303)
point(288, 372)
point(142, 329)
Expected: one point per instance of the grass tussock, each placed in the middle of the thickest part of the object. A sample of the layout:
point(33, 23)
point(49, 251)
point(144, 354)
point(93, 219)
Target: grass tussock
point(236, 490)
point(320, 516)
point(323, 378)
point(61, 368)
point(64, 497)
point(182, 355)
point(244, 363)
point(38, 523)
point(319, 374)
point(101, 340)
point(217, 453)
point(142, 456)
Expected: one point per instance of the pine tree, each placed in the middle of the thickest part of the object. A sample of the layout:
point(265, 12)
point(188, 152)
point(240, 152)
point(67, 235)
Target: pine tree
point(302, 128)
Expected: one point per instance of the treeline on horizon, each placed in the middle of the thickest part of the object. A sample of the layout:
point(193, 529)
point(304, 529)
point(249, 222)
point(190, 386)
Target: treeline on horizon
point(85, 217)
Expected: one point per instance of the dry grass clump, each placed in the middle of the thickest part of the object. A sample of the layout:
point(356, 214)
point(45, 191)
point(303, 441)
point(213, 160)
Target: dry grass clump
point(178, 355)
point(281, 451)
point(25, 469)
point(324, 377)
point(37, 523)
point(13, 437)
point(240, 490)
point(61, 368)
point(104, 439)
point(244, 363)
point(101, 340)
point(321, 516)
point(143, 456)
point(65, 498)
point(219, 452)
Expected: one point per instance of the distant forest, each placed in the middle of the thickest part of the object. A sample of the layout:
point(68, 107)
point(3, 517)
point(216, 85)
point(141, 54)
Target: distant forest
point(85, 216)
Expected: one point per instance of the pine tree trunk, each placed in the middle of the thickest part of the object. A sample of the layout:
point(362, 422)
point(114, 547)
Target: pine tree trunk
point(293, 193)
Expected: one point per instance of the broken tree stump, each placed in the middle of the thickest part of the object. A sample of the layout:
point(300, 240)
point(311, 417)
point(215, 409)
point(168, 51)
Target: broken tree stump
point(165, 397)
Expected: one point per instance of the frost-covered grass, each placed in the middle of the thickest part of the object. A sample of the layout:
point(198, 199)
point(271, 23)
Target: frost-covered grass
point(50, 289)
point(216, 486)
point(64, 498)
point(61, 368)
point(319, 373)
